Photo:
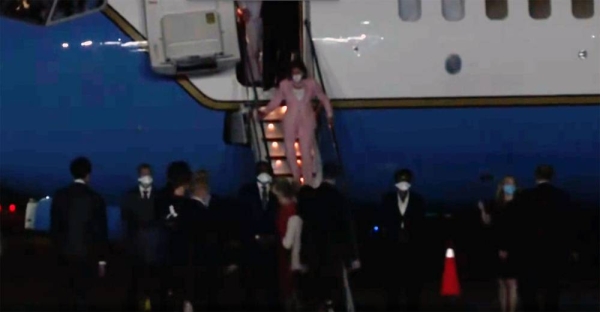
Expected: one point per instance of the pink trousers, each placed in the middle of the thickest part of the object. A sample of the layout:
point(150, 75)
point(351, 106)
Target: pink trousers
point(302, 128)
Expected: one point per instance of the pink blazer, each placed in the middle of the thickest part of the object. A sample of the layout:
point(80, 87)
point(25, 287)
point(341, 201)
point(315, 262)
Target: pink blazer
point(299, 110)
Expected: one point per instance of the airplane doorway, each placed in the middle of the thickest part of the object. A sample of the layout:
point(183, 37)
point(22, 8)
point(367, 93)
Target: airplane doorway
point(269, 36)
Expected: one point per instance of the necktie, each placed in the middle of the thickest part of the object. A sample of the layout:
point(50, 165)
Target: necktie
point(264, 197)
point(146, 195)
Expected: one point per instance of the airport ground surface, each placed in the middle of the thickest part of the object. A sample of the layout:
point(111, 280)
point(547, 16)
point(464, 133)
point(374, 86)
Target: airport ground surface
point(29, 280)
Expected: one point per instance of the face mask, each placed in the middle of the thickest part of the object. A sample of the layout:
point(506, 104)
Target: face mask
point(509, 189)
point(297, 78)
point(145, 181)
point(403, 186)
point(264, 178)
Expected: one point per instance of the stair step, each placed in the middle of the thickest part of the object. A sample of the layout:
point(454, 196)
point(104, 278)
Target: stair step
point(281, 166)
point(273, 130)
point(277, 148)
point(275, 115)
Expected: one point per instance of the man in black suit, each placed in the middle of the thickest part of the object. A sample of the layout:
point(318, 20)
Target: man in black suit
point(401, 226)
point(174, 213)
point(79, 230)
point(328, 243)
point(258, 207)
point(210, 243)
point(141, 237)
point(545, 233)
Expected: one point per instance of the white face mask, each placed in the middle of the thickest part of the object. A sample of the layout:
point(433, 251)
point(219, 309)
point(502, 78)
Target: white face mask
point(297, 78)
point(145, 181)
point(264, 178)
point(403, 186)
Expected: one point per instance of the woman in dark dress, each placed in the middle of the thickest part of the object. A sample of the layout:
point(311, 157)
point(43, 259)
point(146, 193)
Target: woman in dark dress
point(498, 215)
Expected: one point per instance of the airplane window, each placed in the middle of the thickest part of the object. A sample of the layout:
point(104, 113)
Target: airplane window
point(582, 8)
point(69, 8)
point(31, 11)
point(496, 9)
point(539, 9)
point(409, 10)
point(453, 10)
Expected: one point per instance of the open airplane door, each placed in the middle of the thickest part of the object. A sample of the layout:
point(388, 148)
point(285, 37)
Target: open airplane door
point(186, 37)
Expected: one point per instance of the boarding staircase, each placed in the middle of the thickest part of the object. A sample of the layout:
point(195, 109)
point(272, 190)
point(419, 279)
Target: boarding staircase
point(266, 135)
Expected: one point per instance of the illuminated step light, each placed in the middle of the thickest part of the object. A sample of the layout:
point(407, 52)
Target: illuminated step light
point(278, 163)
point(299, 162)
point(302, 180)
point(283, 109)
point(274, 145)
point(296, 145)
point(271, 127)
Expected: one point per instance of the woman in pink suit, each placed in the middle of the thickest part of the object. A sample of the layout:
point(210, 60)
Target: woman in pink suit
point(299, 121)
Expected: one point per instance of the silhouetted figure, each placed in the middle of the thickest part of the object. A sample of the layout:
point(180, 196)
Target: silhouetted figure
point(403, 213)
point(142, 237)
point(258, 207)
point(545, 236)
point(328, 244)
point(79, 230)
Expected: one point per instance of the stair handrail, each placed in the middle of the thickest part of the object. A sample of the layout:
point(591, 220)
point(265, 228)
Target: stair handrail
point(255, 103)
point(315, 58)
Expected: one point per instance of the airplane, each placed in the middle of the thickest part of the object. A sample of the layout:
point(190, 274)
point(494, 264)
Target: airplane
point(461, 92)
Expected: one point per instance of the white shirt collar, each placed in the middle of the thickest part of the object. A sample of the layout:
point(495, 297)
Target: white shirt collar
point(402, 205)
point(205, 203)
point(142, 190)
point(80, 181)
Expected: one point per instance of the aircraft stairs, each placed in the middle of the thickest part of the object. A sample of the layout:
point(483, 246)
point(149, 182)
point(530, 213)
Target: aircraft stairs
point(266, 136)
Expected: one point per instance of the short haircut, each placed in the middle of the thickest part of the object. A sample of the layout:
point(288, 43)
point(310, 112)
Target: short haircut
point(285, 187)
point(263, 167)
point(179, 174)
point(201, 179)
point(298, 63)
point(331, 171)
point(401, 174)
point(80, 167)
point(544, 172)
point(143, 166)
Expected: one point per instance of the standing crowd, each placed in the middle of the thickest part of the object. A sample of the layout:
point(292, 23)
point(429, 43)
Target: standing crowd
point(292, 246)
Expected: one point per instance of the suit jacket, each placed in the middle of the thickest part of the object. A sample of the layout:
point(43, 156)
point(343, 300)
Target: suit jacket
point(210, 232)
point(391, 220)
point(328, 231)
point(299, 110)
point(138, 216)
point(253, 221)
point(78, 222)
point(177, 225)
point(545, 227)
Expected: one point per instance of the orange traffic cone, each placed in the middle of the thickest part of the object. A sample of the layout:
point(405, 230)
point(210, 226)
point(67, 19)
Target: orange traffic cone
point(450, 285)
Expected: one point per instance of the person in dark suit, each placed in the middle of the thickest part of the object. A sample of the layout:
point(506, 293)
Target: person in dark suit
point(545, 236)
point(258, 207)
point(401, 219)
point(79, 230)
point(174, 212)
point(209, 238)
point(328, 243)
point(141, 237)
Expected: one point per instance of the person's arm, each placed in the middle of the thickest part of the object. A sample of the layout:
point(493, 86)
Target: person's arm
point(274, 102)
point(57, 223)
point(101, 228)
point(290, 232)
point(324, 99)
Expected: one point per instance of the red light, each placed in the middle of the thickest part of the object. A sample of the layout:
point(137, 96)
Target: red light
point(0, 208)
point(12, 208)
